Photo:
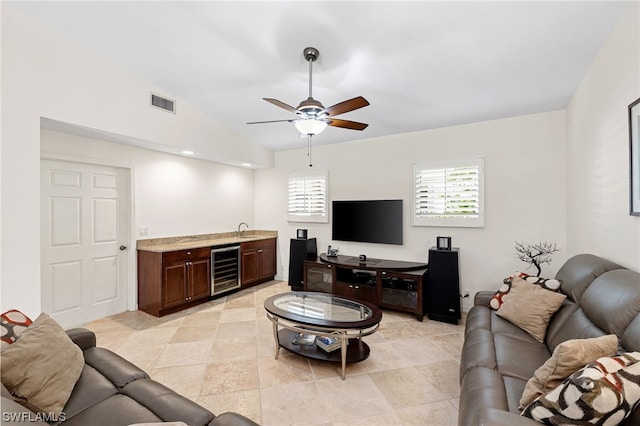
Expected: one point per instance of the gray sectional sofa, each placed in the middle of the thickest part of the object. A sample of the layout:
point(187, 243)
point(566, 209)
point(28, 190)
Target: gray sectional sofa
point(498, 358)
point(111, 391)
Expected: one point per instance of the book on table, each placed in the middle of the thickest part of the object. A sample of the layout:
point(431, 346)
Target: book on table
point(329, 344)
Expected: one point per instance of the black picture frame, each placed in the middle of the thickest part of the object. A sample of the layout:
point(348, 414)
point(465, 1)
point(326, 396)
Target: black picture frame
point(443, 243)
point(634, 158)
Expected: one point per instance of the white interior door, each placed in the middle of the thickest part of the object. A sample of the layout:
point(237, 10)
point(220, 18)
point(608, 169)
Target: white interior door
point(85, 228)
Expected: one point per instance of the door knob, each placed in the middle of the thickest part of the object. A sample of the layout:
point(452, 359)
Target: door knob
point(123, 248)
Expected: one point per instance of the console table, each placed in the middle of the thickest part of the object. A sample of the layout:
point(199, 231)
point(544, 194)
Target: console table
point(390, 284)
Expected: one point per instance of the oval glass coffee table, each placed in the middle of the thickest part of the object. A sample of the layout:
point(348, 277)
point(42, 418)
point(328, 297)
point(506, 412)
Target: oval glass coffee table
point(321, 314)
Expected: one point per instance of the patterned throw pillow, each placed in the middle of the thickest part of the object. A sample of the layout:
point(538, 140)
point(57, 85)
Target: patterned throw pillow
point(12, 324)
point(603, 392)
point(546, 283)
point(567, 358)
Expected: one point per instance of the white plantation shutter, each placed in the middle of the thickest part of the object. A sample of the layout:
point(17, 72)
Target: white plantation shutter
point(448, 194)
point(308, 197)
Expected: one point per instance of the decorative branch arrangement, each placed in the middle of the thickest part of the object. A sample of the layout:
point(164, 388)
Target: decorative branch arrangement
point(536, 254)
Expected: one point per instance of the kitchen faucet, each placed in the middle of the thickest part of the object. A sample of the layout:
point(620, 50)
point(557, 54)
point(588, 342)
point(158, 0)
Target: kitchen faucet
point(242, 223)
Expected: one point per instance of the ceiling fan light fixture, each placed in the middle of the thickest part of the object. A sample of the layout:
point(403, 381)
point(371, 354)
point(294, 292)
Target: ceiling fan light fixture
point(310, 126)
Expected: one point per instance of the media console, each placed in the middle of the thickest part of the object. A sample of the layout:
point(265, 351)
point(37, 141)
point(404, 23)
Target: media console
point(390, 284)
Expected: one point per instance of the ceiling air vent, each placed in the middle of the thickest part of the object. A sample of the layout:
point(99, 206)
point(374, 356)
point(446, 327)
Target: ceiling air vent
point(163, 103)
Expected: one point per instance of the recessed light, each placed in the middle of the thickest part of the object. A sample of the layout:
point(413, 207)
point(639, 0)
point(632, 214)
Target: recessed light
point(246, 164)
point(187, 152)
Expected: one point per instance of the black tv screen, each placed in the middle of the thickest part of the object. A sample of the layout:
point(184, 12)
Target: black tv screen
point(367, 221)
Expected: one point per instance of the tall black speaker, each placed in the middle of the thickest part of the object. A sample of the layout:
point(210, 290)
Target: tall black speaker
point(299, 251)
point(443, 286)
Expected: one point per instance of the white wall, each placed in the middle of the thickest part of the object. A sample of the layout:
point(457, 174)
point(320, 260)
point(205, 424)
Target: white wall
point(173, 195)
point(45, 75)
point(524, 181)
point(598, 219)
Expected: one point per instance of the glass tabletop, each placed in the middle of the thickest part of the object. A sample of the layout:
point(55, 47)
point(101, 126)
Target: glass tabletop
point(322, 307)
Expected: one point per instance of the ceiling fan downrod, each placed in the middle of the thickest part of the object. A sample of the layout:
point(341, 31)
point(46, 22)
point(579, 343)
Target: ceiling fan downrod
point(311, 55)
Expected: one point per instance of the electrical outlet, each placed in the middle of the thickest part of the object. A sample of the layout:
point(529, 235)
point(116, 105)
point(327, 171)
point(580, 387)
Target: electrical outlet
point(143, 231)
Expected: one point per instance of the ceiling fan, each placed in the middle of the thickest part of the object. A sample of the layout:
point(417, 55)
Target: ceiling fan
point(313, 117)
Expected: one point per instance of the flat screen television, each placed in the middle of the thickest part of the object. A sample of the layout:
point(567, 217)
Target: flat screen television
point(367, 221)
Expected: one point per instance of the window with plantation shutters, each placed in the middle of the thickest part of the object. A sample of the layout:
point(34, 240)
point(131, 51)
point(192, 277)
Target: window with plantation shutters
point(448, 193)
point(308, 197)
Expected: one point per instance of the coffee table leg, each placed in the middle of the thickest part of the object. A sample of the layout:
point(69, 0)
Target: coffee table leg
point(275, 335)
point(343, 350)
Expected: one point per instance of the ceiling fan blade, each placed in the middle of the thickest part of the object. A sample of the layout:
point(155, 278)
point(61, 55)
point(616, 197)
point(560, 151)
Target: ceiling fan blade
point(271, 121)
point(281, 105)
point(346, 106)
point(346, 124)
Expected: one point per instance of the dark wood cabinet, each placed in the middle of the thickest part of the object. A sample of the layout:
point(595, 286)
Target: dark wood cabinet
point(444, 285)
point(388, 284)
point(170, 281)
point(257, 261)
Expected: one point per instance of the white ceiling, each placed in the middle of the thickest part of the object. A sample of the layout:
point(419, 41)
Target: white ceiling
point(420, 64)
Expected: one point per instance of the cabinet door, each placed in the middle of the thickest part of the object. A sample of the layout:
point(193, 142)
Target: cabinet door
point(365, 292)
point(358, 291)
point(250, 266)
point(174, 283)
point(318, 277)
point(199, 276)
point(267, 260)
point(401, 291)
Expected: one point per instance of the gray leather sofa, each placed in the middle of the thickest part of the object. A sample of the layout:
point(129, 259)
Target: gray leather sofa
point(498, 358)
point(112, 391)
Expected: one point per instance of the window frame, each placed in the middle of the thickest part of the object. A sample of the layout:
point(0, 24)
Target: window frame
point(448, 220)
point(307, 215)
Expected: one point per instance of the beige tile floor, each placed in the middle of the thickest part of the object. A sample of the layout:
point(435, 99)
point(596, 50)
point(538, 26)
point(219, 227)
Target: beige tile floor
point(221, 355)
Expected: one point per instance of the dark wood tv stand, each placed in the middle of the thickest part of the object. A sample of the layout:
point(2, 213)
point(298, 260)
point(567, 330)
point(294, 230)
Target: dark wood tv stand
point(390, 284)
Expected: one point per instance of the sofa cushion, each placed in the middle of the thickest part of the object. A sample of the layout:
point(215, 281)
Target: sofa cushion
point(612, 301)
point(566, 359)
point(603, 392)
point(481, 388)
point(12, 324)
point(115, 368)
point(530, 307)
point(167, 404)
point(631, 338)
point(115, 410)
point(517, 358)
point(41, 368)
point(478, 350)
point(579, 271)
point(91, 388)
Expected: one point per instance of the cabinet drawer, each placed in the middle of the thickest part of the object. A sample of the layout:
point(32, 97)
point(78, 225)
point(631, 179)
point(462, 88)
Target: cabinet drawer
point(182, 255)
point(252, 245)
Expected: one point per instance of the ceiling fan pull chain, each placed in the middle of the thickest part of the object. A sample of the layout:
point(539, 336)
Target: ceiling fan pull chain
point(309, 150)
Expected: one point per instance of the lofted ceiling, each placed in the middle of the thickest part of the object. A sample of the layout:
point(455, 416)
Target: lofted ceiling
point(421, 64)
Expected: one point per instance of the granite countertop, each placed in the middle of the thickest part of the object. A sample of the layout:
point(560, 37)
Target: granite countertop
point(161, 245)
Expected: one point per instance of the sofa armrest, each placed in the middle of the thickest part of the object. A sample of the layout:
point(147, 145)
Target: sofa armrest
point(483, 298)
point(82, 337)
point(232, 419)
point(497, 417)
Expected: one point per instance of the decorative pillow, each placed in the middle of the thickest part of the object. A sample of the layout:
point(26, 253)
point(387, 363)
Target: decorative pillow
point(12, 324)
point(546, 283)
point(530, 307)
point(604, 392)
point(41, 368)
point(567, 358)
